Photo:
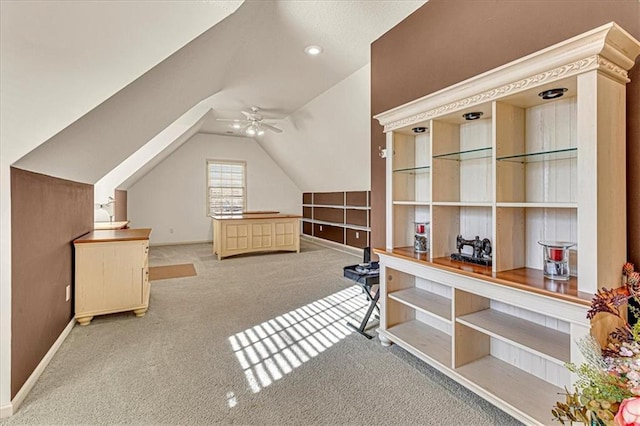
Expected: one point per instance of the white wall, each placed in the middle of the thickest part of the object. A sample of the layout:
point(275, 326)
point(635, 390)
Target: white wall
point(325, 145)
point(172, 196)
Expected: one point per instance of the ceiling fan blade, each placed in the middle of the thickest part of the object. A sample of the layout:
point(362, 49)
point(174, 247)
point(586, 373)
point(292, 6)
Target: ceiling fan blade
point(241, 120)
point(270, 127)
point(252, 116)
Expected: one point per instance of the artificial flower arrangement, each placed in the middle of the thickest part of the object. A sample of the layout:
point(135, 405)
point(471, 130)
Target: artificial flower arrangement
point(607, 391)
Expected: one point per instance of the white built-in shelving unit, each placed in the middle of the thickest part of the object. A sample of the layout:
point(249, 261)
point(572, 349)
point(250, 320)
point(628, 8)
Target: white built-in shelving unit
point(528, 169)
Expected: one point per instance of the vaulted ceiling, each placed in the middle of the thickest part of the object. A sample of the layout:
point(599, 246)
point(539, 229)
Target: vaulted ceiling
point(87, 84)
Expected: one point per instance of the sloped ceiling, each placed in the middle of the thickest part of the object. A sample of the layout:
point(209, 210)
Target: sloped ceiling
point(60, 59)
point(253, 57)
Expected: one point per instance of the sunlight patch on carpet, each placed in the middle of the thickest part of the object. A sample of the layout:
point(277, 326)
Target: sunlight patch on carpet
point(273, 349)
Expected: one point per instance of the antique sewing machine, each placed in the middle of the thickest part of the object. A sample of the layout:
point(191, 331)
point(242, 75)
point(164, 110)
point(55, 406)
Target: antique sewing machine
point(481, 251)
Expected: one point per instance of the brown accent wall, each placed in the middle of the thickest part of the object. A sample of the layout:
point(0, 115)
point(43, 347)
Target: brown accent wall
point(357, 198)
point(329, 232)
point(357, 217)
point(121, 205)
point(328, 214)
point(46, 215)
point(447, 41)
point(328, 198)
point(356, 238)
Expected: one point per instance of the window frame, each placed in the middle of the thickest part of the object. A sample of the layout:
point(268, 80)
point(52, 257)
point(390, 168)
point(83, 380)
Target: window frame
point(211, 161)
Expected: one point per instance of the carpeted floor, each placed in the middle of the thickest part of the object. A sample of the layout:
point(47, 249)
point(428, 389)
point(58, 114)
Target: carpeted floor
point(252, 340)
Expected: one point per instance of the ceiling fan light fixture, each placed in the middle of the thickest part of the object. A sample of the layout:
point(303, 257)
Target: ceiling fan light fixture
point(254, 129)
point(313, 50)
point(252, 124)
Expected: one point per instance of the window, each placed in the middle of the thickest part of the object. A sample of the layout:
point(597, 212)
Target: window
point(226, 186)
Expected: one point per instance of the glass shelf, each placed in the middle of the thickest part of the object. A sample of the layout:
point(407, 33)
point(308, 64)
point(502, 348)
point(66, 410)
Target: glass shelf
point(471, 154)
point(413, 170)
point(534, 157)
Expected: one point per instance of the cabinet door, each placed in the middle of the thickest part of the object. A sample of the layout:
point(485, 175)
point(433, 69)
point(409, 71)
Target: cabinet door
point(286, 233)
point(236, 237)
point(110, 276)
point(124, 275)
point(261, 235)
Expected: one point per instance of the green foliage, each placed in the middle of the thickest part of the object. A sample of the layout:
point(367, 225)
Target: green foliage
point(608, 374)
point(599, 385)
point(570, 411)
point(635, 330)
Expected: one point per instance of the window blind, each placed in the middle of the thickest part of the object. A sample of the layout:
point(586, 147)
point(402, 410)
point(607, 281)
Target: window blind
point(226, 187)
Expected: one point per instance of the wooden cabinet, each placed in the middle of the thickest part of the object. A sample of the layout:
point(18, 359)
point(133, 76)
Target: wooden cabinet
point(525, 166)
point(111, 273)
point(341, 217)
point(250, 233)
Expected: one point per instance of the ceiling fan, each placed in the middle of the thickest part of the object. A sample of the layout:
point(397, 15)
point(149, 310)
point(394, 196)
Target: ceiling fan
point(253, 124)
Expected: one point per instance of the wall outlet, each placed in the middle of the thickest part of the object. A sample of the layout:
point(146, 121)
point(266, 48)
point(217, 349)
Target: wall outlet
point(357, 235)
point(67, 293)
point(171, 230)
point(321, 227)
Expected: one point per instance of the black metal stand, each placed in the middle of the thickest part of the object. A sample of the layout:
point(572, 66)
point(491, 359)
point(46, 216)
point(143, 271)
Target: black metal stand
point(366, 281)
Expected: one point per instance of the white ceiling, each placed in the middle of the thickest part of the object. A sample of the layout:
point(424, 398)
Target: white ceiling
point(60, 59)
point(268, 66)
point(70, 62)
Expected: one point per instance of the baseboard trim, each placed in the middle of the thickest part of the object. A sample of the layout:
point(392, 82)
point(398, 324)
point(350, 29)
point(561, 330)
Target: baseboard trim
point(6, 410)
point(33, 378)
point(179, 243)
point(333, 245)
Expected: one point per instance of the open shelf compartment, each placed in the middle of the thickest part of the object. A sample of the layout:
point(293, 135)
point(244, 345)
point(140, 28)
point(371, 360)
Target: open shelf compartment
point(425, 301)
point(525, 393)
point(424, 340)
point(551, 344)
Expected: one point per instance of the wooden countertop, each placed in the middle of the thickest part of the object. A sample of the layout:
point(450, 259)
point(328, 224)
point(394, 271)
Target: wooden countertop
point(256, 216)
point(527, 279)
point(111, 225)
point(102, 236)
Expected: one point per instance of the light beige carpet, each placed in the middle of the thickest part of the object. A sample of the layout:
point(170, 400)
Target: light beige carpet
point(172, 271)
point(254, 340)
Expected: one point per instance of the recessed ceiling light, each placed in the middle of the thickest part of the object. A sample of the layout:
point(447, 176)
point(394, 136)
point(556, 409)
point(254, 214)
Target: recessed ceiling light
point(313, 50)
point(236, 125)
point(472, 115)
point(553, 93)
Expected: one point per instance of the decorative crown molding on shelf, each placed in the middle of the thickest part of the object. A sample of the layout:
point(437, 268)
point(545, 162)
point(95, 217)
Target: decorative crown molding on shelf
point(608, 48)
